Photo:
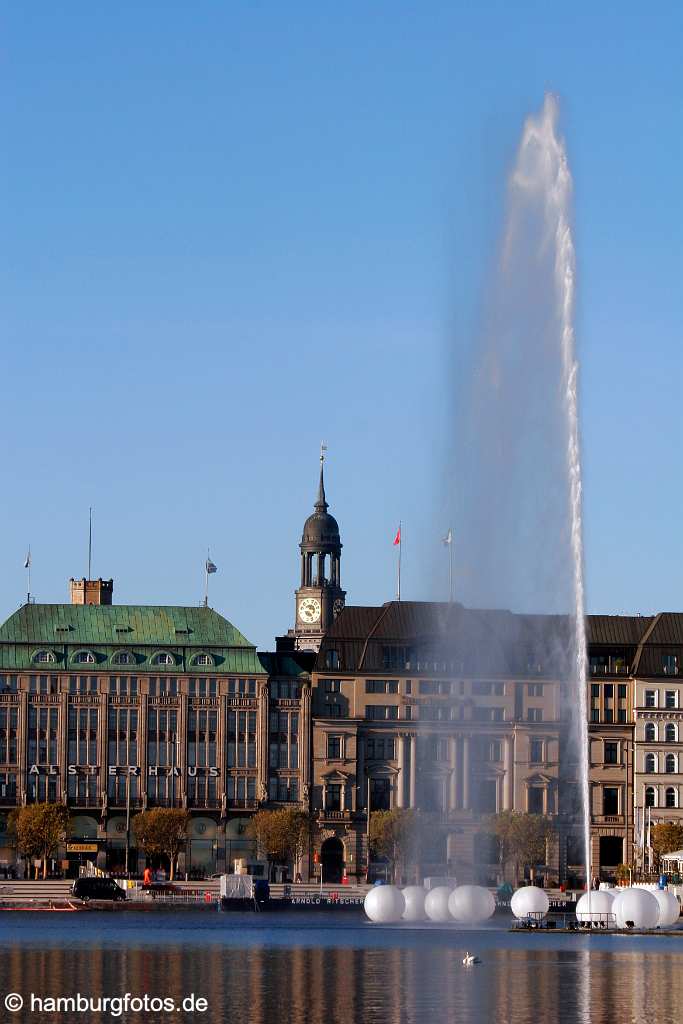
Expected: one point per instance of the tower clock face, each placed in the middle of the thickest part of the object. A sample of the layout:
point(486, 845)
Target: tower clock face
point(309, 609)
point(337, 607)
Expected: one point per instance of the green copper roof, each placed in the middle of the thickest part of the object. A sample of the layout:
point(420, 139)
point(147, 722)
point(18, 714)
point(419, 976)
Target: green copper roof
point(65, 628)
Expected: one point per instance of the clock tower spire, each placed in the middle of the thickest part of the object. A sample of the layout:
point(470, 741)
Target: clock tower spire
point(319, 598)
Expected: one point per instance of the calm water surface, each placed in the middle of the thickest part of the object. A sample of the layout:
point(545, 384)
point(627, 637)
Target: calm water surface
point(331, 969)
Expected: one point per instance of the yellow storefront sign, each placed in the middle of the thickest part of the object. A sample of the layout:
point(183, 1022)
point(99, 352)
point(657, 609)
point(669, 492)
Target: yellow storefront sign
point(81, 847)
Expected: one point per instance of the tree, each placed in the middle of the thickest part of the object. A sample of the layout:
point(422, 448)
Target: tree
point(162, 831)
point(39, 829)
point(523, 838)
point(667, 836)
point(398, 835)
point(283, 835)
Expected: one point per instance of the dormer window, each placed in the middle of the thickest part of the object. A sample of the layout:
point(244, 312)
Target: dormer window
point(123, 658)
point(44, 657)
point(203, 661)
point(332, 660)
point(163, 658)
point(84, 658)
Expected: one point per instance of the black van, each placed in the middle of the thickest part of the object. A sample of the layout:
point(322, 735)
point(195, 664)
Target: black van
point(97, 889)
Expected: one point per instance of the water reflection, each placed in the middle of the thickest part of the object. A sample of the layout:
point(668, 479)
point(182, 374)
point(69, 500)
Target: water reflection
point(376, 976)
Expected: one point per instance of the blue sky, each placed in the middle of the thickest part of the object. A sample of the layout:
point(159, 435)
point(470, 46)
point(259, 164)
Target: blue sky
point(233, 230)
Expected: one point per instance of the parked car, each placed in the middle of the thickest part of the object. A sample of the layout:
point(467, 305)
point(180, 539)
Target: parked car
point(97, 889)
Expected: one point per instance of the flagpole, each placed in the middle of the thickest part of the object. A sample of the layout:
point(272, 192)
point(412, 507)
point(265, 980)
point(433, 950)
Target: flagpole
point(450, 565)
point(89, 541)
point(400, 545)
point(28, 569)
point(206, 580)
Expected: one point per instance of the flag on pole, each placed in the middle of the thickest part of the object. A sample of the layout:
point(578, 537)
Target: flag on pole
point(27, 563)
point(448, 539)
point(397, 538)
point(210, 567)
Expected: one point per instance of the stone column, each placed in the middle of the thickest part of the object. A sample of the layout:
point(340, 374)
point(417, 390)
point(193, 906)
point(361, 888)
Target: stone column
point(453, 780)
point(401, 780)
point(466, 773)
point(262, 742)
point(360, 771)
point(305, 754)
point(413, 770)
point(507, 778)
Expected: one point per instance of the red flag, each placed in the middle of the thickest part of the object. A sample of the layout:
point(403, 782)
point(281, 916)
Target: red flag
point(397, 538)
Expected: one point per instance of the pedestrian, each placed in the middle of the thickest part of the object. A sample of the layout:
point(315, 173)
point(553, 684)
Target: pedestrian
point(147, 876)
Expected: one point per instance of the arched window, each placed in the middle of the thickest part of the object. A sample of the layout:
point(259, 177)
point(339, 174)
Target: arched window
point(202, 659)
point(650, 763)
point(670, 764)
point(332, 659)
point(84, 658)
point(670, 733)
point(44, 657)
point(163, 658)
point(650, 732)
point(650, 796)
point(670, 796)
point(123, 658)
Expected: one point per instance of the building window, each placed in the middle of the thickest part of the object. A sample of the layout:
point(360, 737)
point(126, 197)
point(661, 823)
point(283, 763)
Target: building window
point(202, 660)
point(650, 698)
point(394, 659)
point(495, 751)
point(535, 689)
point(163, 658)
point(8, 787)
point(670, 733)
point(611, 753)
point(536, 752)
point(670, 796)
point(610, 800)
point(332, 685)
point(43, 684)
point(595, 714)
point(163, 687)
point(203, 688)
point(333, 797)
point(8, 684)
point(381, 685)
point(123, 686)
point(488, 689)
point(9, 725)
point(123, 658)
point(241, 687)
point(670, 664)
point(44, 657)
point(621, 691)
point(241, 739)
point(650, 763)
point(82, 736)
point(380, 794)
point(122, 738)
point(434, 687)
point(334, 748)
point(202, 783)
point(650, 796)
point(84, 658)
point(283, 739)
point(241, 790)
point(163, 756)
point(380, 748)
point(650, 732)
point(671, 698)
point(534, 715)
point(621, 714)
point(535, 800)
point(332, 660)
point(670, 764)
point(381, 711)
point(609, 715)
point(283, 689)
point(283, 789)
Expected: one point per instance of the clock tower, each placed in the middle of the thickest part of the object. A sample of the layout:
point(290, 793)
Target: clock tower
point(319, 598)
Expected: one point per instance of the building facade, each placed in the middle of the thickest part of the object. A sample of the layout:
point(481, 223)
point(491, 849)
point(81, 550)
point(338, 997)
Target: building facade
point(115, 709)
point(456, 712)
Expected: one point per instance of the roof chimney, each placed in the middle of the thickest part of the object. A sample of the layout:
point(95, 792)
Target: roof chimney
point(91, 591)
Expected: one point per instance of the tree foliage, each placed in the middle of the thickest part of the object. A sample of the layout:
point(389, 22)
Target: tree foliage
point(667, 837)
point(162, 831)
point(39, 829)
point(522, 838)
point(398, 835)
point(282, 835)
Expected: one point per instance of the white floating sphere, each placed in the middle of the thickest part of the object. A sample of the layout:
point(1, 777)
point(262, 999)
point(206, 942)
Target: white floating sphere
point(669, 908)
point(436, 904)
point(471, 904)
point(594, 906)
point(639, 906)
point(414, 896)
point(529, 900)
point(384, 904)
